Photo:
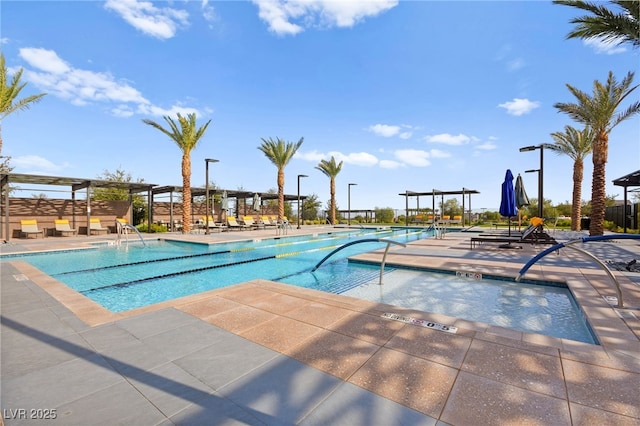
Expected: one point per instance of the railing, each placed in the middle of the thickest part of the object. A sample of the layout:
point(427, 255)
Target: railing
point(569, 244)
point(122, 229)
point(364, 240)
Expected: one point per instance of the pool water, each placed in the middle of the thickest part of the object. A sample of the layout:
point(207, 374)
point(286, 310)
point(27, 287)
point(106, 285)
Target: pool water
point(543, 309)
point(129, 276)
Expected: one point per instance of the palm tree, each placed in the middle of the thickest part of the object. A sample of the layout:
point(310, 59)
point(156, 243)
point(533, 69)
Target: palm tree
point(9, 93)
point(599, 112)
point(577, 145)
point(279, 153)
point(331, 169)
point(621, 27)
point(186, 137)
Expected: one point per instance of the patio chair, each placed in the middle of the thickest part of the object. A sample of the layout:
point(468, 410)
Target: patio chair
point(213, 224)
point(30, 227)
point(268, 222)
point(233, 223)
point(95, 226)
point(532, 235)
point(63, 228)
point(248, 220)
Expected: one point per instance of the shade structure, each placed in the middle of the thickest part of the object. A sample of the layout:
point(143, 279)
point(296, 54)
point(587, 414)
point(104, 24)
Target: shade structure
point(521, 198)
point(256, 202)
point(521, 195)
point(224, 203)
point(508, 206)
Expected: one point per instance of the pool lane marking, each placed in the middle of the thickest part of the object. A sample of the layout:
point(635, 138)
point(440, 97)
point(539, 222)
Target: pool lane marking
point(205, 268)
point(173, 274)
point(237, 250)
point(142, 262)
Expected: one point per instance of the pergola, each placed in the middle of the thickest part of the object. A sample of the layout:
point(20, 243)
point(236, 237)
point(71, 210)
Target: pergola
point(231, 194)
point(76, 184)
point(632, 179)
point(433, 193)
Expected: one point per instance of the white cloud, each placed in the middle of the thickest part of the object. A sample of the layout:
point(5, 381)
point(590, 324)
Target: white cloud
point(82, 87)
point(384, 130)
point(208, 12)
point(599, 45)
point(447, 139)
point(405, 135)
point(143, 15)
point(279, 14)
point(413, 157)
point(36, 165)
point(436, 153)
point(515, 64)
point(390, 164)
point(519, 107)
point(488, 146)
point(355, 158)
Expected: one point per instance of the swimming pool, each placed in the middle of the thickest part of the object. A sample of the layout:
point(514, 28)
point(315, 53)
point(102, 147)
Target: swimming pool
point(124, 277)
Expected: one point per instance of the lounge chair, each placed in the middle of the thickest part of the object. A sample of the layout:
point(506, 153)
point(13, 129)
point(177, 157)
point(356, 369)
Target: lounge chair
point(248, 220)
point(213, 224)
point(268, 222)
point(30, 227)
point(63, 228)
point(233, 223)
point(95, 226)
point(531, 235)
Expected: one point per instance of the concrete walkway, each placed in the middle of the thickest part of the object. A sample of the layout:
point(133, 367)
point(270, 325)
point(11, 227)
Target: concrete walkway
point(268, 353)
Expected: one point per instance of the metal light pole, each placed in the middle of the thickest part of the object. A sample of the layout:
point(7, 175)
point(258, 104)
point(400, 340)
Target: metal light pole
point(349, 203)
point(206, 185)
point(299, 176)
point(540, 171)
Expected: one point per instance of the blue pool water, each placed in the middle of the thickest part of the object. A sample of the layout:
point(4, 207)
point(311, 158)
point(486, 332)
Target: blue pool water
point(124, 277)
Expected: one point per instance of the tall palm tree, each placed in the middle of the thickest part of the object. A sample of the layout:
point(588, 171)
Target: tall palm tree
point(9, 93)
point(577, 145)
point(599, 112)
point(186, 137)
point(279, 153)
point(616, 27)
point(331, 169)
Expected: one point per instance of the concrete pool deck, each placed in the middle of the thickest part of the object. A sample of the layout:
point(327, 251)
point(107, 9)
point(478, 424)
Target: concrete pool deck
point(268, 353)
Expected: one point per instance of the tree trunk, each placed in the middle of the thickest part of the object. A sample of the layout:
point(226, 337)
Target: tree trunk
point(598, 184)
point(280, 194)
point(576, 211)
point(186, 193)
point(332, 190)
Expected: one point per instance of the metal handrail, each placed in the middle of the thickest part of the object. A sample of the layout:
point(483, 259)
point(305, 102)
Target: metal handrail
point(569, 244)
point(364, 240)
point(120, 227)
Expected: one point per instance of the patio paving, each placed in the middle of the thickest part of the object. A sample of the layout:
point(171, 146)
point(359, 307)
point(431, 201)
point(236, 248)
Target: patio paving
point(264, 353)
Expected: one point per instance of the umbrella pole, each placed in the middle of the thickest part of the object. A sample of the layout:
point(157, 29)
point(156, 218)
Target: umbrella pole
point(509, 245)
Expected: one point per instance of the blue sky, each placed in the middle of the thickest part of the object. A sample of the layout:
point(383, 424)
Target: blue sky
point(411, 95)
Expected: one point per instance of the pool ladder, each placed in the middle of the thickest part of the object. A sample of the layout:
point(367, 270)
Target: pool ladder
point(123, 229)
